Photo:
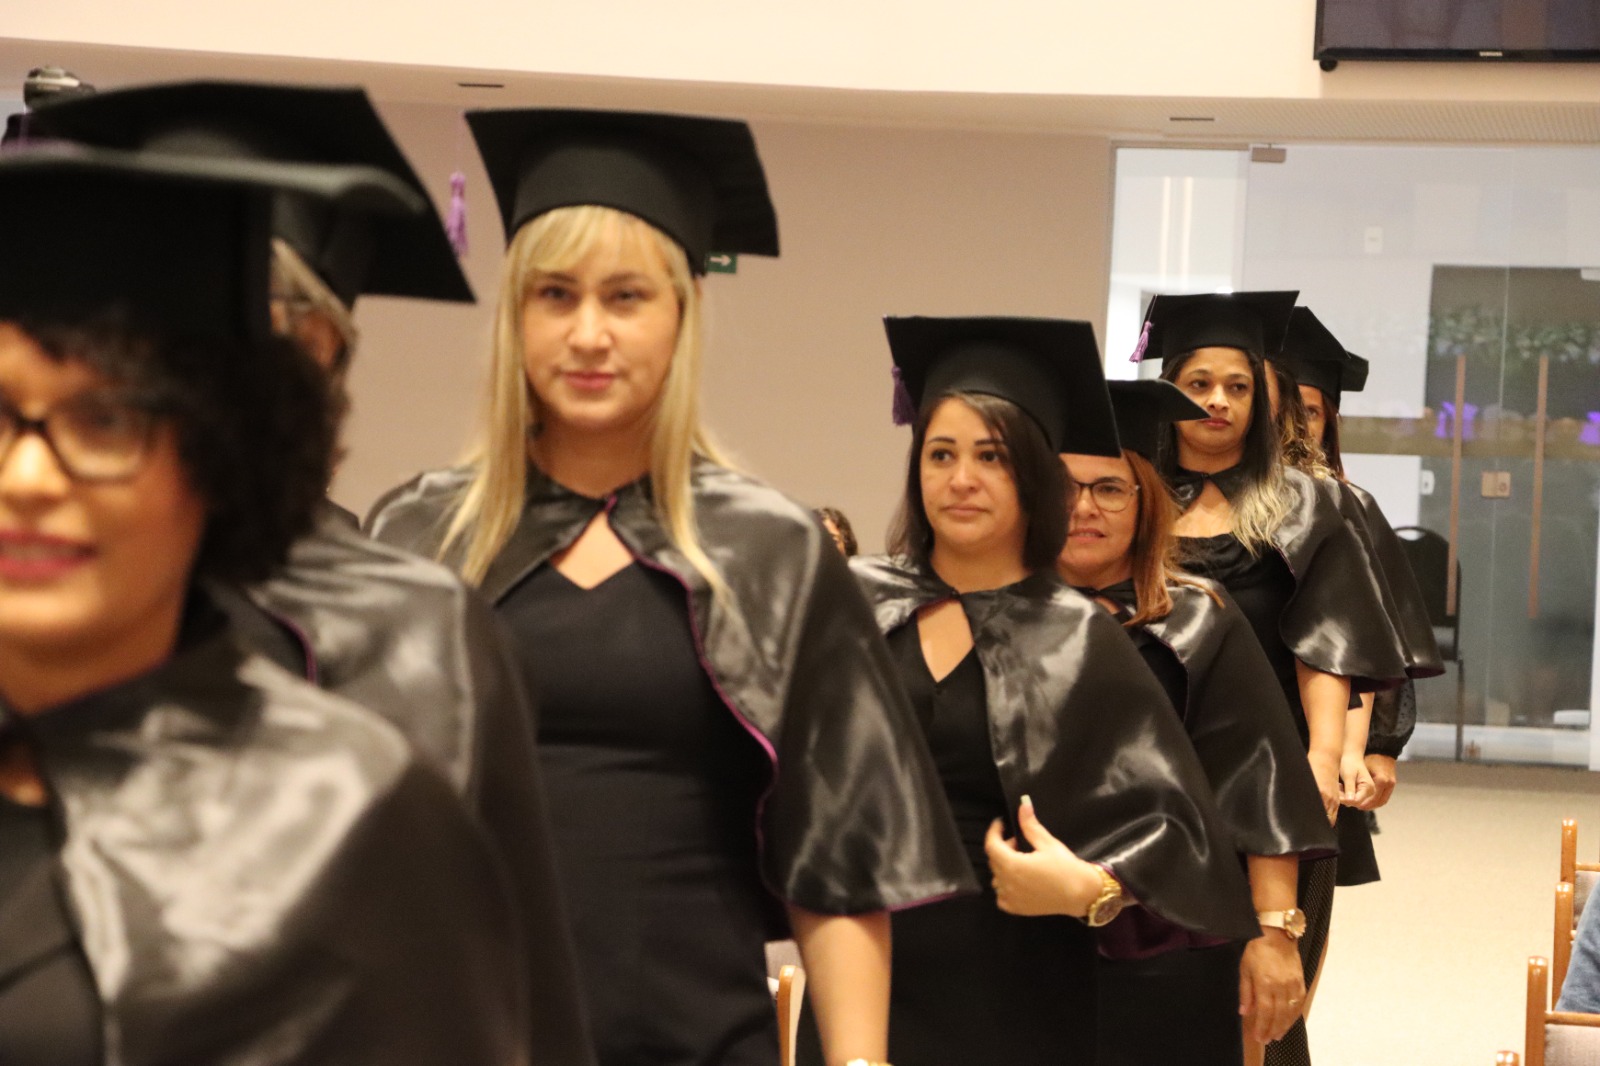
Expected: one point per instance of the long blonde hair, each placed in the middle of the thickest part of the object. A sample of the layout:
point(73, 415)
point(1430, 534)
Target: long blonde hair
point(492, 504)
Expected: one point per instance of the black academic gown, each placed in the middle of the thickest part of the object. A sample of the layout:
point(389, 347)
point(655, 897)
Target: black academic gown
point(1239, 723)
point(1079, 724)
point(404, 637)
point(854, 820)
point(264, 874)
point(1335, 620)
point(1402, 598)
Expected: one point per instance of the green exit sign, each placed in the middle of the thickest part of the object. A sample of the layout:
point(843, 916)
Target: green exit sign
point(722, 263)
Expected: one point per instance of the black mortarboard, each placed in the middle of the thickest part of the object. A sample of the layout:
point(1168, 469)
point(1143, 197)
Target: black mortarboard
point(1049, 367)
point(698, 180)
point(1145, 408)
point(183, 244)
point(1253, 322)
point(350, 250)
point(1314, 356)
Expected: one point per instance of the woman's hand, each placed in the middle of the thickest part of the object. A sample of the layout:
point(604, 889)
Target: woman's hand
point(1272, 986)
point(1325, 768)
point(1048, 880)
point(1382, 769)
point(1359, 789)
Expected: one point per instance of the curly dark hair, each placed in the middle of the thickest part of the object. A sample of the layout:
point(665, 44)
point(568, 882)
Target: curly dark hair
point(1035, 467)
point(845, 536)
point(254, 422)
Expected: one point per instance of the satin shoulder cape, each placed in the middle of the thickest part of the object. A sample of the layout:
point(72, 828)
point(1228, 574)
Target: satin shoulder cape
point(1404, 597)
point(855, 819)
point(1336, 620)
point(1242, 728)
point(264, 874)
point(1078, 722)
point(404, 637)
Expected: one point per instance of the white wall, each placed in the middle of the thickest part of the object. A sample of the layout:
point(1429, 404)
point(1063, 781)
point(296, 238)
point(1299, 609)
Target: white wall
point(873, 221)
point(1135, 48)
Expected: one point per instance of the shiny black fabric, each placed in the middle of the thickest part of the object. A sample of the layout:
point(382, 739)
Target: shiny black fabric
point(1336, 620)
point(1079, 724)
point(49, 1009)
point(1404, 598)
point(855, 821)
point(265, 875)
point(404, 637)
point(1240, 724)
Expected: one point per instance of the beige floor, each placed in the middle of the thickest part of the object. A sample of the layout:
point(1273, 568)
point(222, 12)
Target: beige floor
point(1428, 967)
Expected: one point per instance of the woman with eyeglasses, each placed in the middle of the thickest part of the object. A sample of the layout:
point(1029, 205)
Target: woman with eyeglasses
point(1121, 551)
point(1074, 789)
point(395, 633)
point(202, 857)
point(1275, 539)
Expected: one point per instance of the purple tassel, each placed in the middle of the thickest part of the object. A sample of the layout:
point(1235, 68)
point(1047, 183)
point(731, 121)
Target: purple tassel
point(904, 412)
point(1144, 342)
point(456, 222)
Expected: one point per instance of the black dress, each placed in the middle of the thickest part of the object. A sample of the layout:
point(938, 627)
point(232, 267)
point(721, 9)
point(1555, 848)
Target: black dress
point(653, 786)
point(1262, 585)
point(965, 972)
point(49, 1011)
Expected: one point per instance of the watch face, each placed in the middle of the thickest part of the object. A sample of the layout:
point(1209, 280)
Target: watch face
point(1294, 923)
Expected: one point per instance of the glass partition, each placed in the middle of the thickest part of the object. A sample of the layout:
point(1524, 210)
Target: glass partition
point(1470, 278)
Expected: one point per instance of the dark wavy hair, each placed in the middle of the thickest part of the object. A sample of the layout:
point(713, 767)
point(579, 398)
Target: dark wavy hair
point(254, 423)
point(846, 537)
point(1035, 468)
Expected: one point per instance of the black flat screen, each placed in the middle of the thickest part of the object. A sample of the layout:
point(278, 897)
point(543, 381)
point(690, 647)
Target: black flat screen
point(1539, 30)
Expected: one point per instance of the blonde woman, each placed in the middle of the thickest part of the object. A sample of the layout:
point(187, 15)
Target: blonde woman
point(1274, 538)
point(725, 747)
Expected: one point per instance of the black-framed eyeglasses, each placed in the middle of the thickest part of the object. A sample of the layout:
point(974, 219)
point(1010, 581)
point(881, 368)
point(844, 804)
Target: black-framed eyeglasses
point(96, 437)
point(1110, 494)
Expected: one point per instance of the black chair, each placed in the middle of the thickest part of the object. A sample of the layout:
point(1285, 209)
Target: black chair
point(1429, 556)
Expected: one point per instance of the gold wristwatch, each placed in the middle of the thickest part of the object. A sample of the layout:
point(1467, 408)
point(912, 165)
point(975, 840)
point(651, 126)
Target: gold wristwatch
point(1291, 921)
point(1108, 904)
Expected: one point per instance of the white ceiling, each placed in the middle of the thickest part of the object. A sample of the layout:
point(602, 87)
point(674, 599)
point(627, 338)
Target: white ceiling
point(1135, 119)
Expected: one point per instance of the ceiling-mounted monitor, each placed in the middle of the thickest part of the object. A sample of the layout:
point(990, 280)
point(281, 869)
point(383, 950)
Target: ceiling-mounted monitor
point(1496, 30)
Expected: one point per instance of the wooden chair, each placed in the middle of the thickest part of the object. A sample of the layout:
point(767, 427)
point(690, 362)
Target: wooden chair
point(791, 994)
point(1556, 1038)
point(1577, 883)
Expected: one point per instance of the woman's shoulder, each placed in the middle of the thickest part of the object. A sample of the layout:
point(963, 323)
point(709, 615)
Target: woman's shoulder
point(414, 515)
point(733, 503)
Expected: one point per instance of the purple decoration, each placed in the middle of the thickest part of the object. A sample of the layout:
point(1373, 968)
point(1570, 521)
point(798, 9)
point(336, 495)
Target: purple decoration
point(903, 411)
point(456, 222)
point(1446, 424)
point(1591, 432)
point(1144, 342)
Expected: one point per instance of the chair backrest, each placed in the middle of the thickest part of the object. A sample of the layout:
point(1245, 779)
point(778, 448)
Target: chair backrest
point(791, 996)
point(1556, 1038)
point(1429, 556)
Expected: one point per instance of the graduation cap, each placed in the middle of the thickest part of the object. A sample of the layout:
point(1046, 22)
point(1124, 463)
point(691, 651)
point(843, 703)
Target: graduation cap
point(1049, 367)
point(1314, 356)
point(1253, 322)
point(181, 244)
point(698, 180)
point(1145, 408)
point(351, 251)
